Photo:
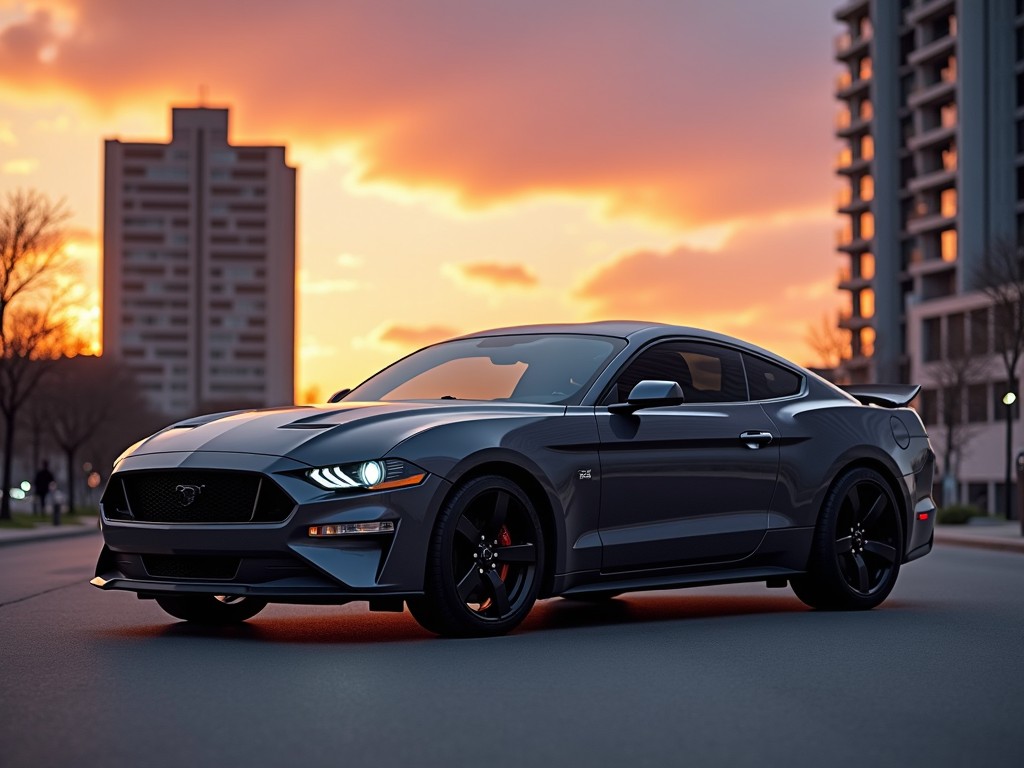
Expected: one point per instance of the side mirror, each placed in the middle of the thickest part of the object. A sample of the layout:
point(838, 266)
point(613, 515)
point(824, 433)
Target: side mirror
point(338, 395)
point(650, 394)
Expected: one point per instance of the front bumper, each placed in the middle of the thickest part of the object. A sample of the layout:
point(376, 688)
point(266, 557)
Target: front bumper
point(279, 562)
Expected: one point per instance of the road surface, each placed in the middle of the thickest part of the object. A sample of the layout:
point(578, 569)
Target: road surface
point(735, 676)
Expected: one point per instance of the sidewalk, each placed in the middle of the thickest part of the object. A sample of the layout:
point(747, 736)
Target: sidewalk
point(1002, 536)
point(86, 525)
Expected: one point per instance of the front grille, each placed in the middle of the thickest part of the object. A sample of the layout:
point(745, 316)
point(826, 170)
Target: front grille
point(195, 496)
point(191, 567)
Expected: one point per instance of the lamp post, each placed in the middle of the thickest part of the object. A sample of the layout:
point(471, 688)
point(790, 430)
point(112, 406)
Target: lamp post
point(1008, 400)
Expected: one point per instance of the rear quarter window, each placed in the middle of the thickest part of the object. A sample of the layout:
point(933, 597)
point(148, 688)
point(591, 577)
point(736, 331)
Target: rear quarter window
point(767, 380)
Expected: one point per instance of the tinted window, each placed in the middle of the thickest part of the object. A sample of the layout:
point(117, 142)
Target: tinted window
point(768, 380)
point(553, 368)
point(706, 373)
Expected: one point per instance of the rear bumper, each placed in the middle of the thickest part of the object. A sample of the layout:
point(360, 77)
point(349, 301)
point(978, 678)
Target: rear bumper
point(276, 561)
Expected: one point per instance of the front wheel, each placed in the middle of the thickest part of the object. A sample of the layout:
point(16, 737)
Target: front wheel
point(213, 610)
point(485, 561)
point(857, 548)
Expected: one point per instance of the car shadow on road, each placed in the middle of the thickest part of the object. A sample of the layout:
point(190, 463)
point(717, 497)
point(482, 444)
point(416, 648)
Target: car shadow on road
point(358, 626)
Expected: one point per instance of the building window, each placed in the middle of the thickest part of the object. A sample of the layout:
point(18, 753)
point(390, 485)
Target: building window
point(865, 68)
point(947, 115)
point(867, 225)
point(947, 243)
point(977, 403)
point(867, 266)
point(955, 346)
point(949, 158)
point(979, 332)
point(867, 303)
point(867, 147)
point(929, 406)
point(867, 187)
point(867, 341)
point(947, 202)
point(931, 336)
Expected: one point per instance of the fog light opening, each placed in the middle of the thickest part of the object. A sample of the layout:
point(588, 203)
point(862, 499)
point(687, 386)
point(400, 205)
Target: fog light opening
point(349, 529)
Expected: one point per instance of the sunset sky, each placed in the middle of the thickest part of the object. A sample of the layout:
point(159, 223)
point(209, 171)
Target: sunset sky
point(465, 165)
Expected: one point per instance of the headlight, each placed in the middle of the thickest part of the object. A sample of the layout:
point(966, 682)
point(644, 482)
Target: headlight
point(376, 475)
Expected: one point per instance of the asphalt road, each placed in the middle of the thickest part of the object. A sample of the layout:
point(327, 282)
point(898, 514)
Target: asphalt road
point(731, 676)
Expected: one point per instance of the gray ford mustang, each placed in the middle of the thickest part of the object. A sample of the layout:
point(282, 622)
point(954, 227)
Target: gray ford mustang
point(477, 475)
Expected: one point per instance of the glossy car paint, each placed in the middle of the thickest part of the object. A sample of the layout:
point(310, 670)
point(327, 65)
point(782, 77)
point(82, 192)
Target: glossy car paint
point(668, 496)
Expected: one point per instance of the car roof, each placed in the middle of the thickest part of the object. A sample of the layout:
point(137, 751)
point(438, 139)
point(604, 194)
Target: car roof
point(637, 332)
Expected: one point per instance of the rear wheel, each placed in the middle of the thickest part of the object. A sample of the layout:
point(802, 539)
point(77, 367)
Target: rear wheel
point(858, 546)
point(485, 561)
point(211, 609)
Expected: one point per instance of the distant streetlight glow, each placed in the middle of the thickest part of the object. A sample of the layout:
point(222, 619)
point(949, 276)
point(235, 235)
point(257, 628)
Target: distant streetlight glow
point(1009, 398)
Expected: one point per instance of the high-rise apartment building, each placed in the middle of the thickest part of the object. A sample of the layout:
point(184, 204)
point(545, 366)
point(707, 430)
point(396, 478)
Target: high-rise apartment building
point(932, 162)
point(199, 267)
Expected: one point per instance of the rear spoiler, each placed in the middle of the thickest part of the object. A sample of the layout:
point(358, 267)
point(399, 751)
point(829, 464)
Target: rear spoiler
point(885, 395)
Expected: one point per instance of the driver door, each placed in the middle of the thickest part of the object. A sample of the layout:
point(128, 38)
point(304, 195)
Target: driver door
point(690, 483)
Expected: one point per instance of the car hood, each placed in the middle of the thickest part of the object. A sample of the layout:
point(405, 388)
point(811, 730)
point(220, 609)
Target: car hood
point(317, 435)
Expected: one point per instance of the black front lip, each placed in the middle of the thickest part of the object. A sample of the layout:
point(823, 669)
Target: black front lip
point(343, 567)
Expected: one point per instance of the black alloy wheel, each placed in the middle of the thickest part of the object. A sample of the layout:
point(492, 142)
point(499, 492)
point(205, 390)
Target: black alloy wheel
point(858, 546)
point(213, 610)
point(485, 561)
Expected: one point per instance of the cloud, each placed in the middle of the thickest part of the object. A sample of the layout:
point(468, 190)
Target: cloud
point(7, 136)
point(492, 274)
point(686, 112)
point(766, 284)
point(397, 335)
point(22, 166)
point(313, 286)
point(349, 260)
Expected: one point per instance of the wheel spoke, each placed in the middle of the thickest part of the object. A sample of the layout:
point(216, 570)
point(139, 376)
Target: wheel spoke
point(875, 511)
point(863, 582)
point(500, 511)
point(844, 545)
point(881, 550)
point(500, 594)
point(517, 553)
point(467, 529)
point(469, 585)
point(853, 499)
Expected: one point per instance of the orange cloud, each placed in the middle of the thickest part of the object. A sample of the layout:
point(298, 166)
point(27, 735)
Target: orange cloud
point(691, 113)
point(496, 275)
point(408, 336)
point(764, 285)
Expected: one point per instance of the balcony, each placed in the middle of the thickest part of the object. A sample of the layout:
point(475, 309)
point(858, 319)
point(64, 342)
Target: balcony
point(846, 45)
point(931, 93)
point(940, 178)
point(851, 8)
point(930, 137)
point(924, 11)
point(851, 126)
point(929, 221)
point(846, 281)
point(943, 46)
point(846, 86)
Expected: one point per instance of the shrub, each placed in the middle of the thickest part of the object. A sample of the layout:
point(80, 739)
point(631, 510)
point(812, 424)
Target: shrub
point(958, 514)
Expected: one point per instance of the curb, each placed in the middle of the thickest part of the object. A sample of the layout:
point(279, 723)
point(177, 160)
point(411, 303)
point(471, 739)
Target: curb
point(46, 534)
point(1002, 545)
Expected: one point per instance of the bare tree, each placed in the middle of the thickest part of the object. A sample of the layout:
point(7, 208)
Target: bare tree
point(78, 412)
point(952, 376)
point(32, 239)
point(1000, 275)
point(830, 342)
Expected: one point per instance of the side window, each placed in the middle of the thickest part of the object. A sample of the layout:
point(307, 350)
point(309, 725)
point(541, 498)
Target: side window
point(706, 373)
point(768, 380)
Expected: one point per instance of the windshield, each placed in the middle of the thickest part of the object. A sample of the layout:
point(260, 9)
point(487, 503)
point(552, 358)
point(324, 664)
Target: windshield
point(553, 368)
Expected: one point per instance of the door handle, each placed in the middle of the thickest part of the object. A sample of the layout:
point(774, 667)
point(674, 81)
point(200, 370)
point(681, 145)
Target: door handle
point(755, 439)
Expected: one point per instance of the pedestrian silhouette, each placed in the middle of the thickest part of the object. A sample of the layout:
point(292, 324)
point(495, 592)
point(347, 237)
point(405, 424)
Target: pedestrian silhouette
point(44, 479)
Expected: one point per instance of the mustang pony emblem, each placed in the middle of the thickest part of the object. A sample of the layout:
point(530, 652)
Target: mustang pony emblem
point(187, 493)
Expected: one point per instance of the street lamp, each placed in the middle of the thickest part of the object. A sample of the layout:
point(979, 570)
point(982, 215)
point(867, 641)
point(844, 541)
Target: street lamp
point(1008, 400)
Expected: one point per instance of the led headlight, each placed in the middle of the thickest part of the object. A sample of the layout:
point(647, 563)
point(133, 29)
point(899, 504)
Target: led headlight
point(376, 475)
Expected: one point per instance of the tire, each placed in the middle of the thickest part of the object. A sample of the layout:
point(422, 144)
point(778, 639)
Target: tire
point(485, 561)
point(213, 610)
point(857, 547)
